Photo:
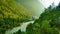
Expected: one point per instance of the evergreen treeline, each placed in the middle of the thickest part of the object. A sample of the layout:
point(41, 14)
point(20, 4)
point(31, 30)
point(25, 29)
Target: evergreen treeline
point(48, 22)
point(11, 15)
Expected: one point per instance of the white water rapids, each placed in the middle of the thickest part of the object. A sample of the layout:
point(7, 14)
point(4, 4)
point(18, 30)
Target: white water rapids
point(22, 28)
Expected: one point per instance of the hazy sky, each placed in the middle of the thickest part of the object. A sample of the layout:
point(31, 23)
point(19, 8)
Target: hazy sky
point(46, 3)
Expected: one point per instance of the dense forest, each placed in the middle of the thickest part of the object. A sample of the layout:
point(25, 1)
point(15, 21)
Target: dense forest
point(48, 22)
point(11, 15)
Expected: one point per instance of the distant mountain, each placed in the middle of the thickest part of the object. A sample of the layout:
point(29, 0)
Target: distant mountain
point(12, 14)
point(34, 6)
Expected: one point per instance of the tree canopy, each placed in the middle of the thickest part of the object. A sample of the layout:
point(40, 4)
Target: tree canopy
point(48, 22)
point(11, 15)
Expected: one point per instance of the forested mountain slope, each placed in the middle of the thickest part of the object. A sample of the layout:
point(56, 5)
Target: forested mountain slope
point(34, 6)
point(11, 15)
point(48, 22)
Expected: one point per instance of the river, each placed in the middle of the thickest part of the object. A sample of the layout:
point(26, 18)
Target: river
point(22, 28)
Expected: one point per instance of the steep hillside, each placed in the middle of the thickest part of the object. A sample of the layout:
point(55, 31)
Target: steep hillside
point(48, 22)
point(34, 6)
point(11, 15)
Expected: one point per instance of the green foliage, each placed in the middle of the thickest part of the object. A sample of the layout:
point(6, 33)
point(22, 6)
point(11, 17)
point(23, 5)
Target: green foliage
point(47, 23)
point(19, 32)
point(11, 15)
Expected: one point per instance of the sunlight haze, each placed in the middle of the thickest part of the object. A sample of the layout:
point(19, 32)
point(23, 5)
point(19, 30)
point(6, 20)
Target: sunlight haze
point(47, 3)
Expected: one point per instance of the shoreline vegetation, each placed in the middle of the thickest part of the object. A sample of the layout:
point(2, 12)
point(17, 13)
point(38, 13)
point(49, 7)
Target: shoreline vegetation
point(48, 22)
point(11, 15)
